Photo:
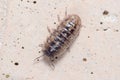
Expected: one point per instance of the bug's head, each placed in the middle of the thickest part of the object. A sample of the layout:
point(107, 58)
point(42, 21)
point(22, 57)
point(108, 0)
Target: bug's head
point(75, 18)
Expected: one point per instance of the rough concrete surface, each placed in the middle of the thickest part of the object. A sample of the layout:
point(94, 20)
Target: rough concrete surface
point(95, 55)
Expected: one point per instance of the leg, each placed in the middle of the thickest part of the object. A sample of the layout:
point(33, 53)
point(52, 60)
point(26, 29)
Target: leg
point(52, 63)
point(58, 18)
point(38, 58)
point(41, 45)
point(65, 11)
point(65, 15)
point(49, 30)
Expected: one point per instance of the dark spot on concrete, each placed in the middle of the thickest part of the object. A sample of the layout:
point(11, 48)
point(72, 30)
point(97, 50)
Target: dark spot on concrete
point(88, 36)
point(101, 22)
point(72, 56)
point(14, 41)
point(18, 4)
point(11, 61)
point(105, 29)
point(16, 63)
point(1, 18)
point(28, 1)
point(55, 3)
point(49, 4)
point(7, 75)
point(21, 12)
point(97, 29)
point(105, 12)
point(3, 73)
point(14, 45)
point(84, 59)
point(95, 53)
point(22, 47)
point(18, 42)
point(54, 22)
point(37, 12)
point(34, 2)
point(39, 51)
point(91, 72)
point(54, 7)
point(1, 58)
point(21, 0)
point(18, 38)
point(117, 30)
point(20, 33)
point(26, 7)
point(6, 44)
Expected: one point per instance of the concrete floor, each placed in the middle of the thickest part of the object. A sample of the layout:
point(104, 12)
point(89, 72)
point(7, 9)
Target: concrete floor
point(95, 55)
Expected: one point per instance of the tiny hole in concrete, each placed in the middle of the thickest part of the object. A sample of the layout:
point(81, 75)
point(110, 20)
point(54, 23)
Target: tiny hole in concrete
point(88, 36)
point(7, 76)
point(54, 22)
point(101, 22)
point(91, 72)
point(16, 63)
point(22, 47)
point(105, 29)
point(84, 59)
point(105, 12)
point(34, 2)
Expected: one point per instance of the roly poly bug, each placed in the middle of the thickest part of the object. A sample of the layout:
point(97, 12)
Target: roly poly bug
point(61, 39)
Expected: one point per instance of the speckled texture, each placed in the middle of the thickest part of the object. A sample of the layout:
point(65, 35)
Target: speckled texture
point(95, 55)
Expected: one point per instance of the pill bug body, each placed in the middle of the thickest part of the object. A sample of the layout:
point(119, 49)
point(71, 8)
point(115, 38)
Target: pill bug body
point(62, 38)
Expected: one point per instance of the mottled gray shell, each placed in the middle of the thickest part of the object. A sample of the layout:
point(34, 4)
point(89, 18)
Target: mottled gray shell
point(61, 39)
